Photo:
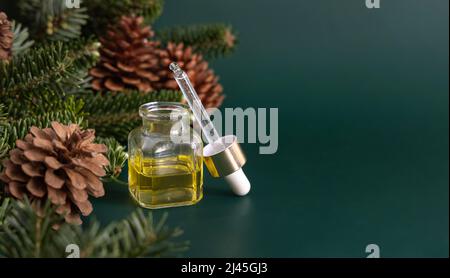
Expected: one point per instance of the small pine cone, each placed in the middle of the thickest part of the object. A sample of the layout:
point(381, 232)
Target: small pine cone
point(62, 164)
point(127, 57)
point(6, 37)
point(205, 82)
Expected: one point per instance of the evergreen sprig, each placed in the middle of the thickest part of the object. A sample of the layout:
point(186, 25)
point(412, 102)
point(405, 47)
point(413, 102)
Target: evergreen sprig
point(4, 207)
point(116, 114)
point(47, 101)
point(210, 40)
point(21, 42)
point(4, 146)
point(3, 115)
point(52, 19)
point(116, 155)
point(105, 12)
point(26, 234)
point(54, 66)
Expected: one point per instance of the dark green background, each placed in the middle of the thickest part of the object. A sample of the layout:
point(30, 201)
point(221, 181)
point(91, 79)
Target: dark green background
point(363, 140)
point(363, 130)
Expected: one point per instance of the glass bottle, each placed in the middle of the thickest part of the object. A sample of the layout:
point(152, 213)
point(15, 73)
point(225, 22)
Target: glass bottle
point(165, 165)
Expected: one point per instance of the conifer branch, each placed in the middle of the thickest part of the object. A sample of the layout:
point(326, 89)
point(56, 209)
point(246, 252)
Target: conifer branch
point(4, 207)
point(53, 66)
point(210, 40)
point(116, 155)
point(39, 105)
point(3, 115)
point(52, 19)
point(21, 41)
point(25, 234)
point(105, 12)
point(4, 146)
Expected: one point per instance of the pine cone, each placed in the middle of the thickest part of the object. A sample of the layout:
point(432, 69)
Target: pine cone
point(6, 37)
point(126, 57)
point(60, 163)
point(202, 77)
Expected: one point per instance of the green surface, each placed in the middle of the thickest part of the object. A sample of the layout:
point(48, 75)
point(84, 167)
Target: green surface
point(363, 113)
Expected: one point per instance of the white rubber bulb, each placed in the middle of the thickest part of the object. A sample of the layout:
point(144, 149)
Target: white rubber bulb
point(238, 182)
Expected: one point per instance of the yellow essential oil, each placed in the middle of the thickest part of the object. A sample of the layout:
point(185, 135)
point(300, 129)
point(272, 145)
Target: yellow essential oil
point(166, 182)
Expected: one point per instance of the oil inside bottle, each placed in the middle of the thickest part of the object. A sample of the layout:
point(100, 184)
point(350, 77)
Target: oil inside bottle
point(167, 181)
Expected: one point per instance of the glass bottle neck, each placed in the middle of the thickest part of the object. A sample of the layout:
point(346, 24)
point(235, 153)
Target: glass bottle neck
point(162, 127)
point(165, 118)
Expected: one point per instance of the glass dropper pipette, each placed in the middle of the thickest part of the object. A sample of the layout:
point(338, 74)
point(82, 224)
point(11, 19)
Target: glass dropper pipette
point(200, 113)
point(225, 157)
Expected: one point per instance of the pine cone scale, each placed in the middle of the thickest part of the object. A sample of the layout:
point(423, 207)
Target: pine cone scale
point(78, 195)
point(125, 68)
point(16, 189)
point(22, 145)
point(52, 163)
point(53, 180)
point(76, 179)
point(16, 156)
point(94, 168)
point(14, 172)
point(84, 207)
point(73, 218)
point(35, 186)
point(57, 197)
point(39, 134)
point(32, 169)
point(43, 144)
point(35, 154)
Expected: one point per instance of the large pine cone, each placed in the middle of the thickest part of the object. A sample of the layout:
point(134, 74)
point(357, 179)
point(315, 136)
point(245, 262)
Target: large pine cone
point(61, 163)
point(205, 82)
point(6, 37)
point(127, 57)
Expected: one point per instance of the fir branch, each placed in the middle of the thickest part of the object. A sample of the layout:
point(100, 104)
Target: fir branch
point(52, 19)
point(3, 115)
point(21, 41)
point(105, 12)
point(116, 114)
point(4, 146)
point(53, 66)
point(210, 40)
point(46, 101)
point(116, 155)
point(4, 207)
point(24, 233)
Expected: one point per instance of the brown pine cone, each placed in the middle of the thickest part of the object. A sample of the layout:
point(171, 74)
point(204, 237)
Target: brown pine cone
point(127, 57)
point(62, 164)
point(6, 37)
point(205, 82)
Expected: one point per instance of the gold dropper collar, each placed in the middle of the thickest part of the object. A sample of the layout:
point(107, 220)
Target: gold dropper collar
point(224, 157)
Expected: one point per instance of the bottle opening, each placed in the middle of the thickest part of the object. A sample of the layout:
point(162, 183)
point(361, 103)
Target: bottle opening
point(163, 111)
